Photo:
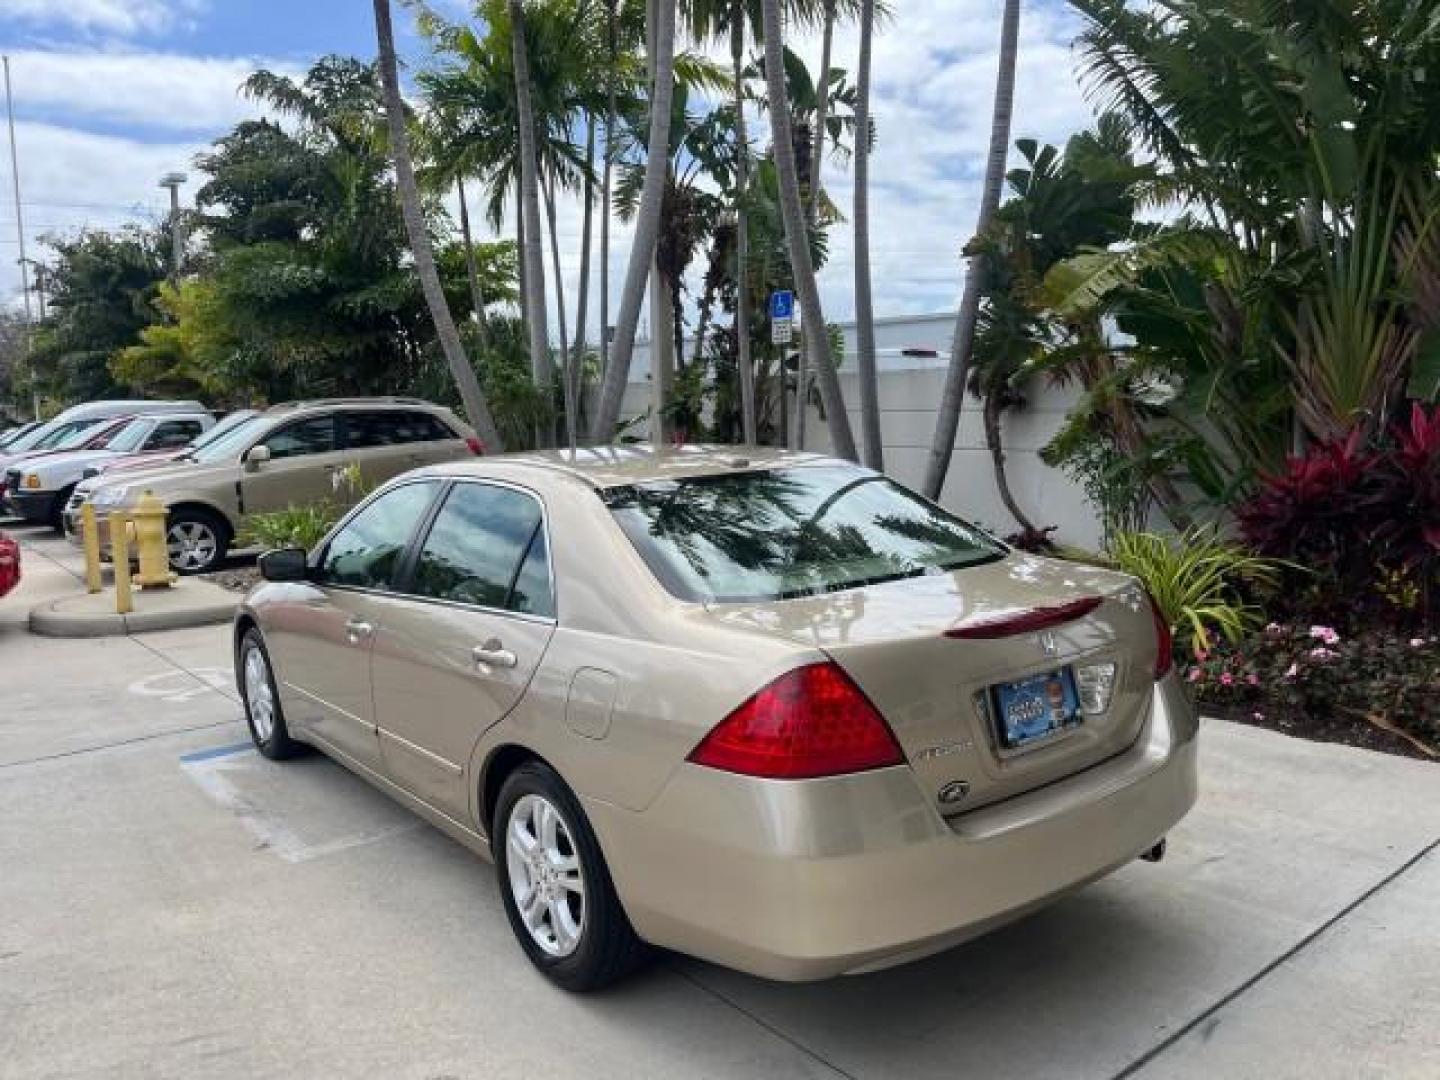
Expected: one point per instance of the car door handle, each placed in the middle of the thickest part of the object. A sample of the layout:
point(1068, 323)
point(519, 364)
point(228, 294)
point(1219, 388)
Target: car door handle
point(493, 654)
point(358, 630)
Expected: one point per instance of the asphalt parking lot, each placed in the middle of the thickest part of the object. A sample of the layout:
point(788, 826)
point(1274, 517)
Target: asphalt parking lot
point(176, 906)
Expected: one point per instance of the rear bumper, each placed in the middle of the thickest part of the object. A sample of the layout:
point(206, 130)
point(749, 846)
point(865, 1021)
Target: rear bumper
point(807, 880)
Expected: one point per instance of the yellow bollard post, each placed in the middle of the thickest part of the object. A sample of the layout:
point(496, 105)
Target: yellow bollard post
point(149, 517)
point(90, 534)
point(120, 550)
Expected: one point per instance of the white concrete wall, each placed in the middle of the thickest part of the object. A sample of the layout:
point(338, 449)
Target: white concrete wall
point(910, 390)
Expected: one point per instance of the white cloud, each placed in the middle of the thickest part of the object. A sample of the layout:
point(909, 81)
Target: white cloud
point(121, 17)
point(162, 90)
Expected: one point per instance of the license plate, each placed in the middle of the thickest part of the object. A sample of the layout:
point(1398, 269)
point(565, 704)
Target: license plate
point(1034, 708)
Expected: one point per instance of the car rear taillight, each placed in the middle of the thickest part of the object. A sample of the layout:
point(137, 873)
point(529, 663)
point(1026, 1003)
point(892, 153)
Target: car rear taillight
point(1164, 640)
point(475, 446)
point(810, 722)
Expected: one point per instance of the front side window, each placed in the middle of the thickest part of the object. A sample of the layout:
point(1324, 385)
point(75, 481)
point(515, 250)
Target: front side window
point(366, 553)
point(789, 532)
point(130, 436)
point(474, 551)
point(315, 435)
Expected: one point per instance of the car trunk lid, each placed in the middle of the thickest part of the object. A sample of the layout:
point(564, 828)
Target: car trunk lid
point(929, 650)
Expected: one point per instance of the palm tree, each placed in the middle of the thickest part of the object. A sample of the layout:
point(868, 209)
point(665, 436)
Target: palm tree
point(797, 238)
point(743, 361)
point(466, 381)
point(647, 222)
point(864, 307)
point(532, 259)
point(947, 422)
point(822, 96)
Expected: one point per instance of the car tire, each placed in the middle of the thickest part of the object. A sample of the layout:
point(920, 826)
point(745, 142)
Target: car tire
point(197, 540)
point(580, 939)
point(263, 714)
point(57, 511)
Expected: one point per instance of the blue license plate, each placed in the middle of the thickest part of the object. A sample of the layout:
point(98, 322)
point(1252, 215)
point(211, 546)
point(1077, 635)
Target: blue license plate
point(1029, 710)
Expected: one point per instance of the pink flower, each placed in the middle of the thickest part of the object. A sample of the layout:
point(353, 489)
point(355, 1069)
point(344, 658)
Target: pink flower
point(1253, 679)
point(1327, 634)
point(1226, 679)
point(1194, 675)
point(1320, 653)
point(1202, 655)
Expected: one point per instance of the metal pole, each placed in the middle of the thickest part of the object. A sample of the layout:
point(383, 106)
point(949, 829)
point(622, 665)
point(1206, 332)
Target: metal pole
point(19, 220)
point(173, 180)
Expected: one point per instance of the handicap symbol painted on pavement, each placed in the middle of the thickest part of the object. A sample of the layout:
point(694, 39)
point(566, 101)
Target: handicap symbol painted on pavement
point(182, 686)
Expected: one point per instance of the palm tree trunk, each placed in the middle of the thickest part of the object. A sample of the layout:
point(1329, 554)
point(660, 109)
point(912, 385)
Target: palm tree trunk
point(647, 224)
point(864, 305)
point(991, 415)
point(822, 105)
point(582, 305)
point(947, 422)
point(797, 238)
point(743, 359)
point(520, 246)
point(559, 300)
point(534, 299)
point(477, 295)
point(612, 33)
point(471, 396)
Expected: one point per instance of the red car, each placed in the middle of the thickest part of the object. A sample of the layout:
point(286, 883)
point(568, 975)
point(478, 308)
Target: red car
point(9, 564)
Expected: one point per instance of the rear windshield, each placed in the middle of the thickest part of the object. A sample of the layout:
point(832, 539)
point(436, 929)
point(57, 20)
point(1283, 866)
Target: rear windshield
point(789, 532)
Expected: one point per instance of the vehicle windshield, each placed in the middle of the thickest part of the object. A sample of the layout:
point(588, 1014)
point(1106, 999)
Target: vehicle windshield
point(231, 443)
point(790, 532)
point(68, 436)
point(131, 436)
point(219, 431)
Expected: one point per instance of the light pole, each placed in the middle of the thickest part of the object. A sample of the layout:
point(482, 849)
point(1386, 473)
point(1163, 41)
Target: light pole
point(19, 224)
point(39, 283)
point(173, 180)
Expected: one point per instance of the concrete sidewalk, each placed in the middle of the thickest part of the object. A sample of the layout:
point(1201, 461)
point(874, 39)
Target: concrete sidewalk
point(53, 589)
point(177, 906)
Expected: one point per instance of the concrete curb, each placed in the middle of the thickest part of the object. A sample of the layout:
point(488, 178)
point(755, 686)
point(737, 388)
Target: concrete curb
point(59, 618)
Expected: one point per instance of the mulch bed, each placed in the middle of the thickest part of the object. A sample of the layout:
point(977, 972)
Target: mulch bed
point(1349, 731)
point(241, 579)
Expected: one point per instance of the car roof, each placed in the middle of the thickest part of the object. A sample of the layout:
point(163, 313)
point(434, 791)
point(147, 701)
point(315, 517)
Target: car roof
point(617, 466)
point(286, 408)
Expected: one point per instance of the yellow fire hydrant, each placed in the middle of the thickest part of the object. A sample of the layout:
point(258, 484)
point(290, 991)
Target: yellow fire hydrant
point(154, 554)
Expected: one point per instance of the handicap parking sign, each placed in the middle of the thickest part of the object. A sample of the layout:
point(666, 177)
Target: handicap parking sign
point(782, 305)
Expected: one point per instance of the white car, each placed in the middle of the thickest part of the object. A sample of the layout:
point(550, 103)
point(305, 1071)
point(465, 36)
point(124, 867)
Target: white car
point(39, 488)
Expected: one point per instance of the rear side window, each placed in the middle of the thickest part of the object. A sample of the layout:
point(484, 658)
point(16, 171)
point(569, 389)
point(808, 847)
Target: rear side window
point(366, 553)
point(315, 435)
point(173, 434)
point(393, 427)
point(789, 532)
point(482, 550)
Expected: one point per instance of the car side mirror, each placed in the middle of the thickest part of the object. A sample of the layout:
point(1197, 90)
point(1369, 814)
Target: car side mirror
point(256, 456)
point(284, 564)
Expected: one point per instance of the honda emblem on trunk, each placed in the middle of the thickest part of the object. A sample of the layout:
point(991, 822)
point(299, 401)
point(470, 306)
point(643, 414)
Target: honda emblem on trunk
point(1048, 645)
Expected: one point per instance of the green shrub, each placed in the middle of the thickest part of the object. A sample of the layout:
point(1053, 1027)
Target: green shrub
point(1200, 583)
point(295, 526)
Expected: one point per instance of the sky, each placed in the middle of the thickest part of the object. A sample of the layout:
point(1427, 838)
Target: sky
point(112, 94)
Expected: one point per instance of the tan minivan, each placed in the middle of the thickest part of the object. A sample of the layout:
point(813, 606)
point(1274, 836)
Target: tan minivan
point(290, 455)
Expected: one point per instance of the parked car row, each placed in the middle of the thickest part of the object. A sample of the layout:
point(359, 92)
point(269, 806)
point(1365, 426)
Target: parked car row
point(289, 455)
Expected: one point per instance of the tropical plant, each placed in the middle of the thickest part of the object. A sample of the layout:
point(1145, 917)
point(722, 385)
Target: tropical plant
point(1201, 584)
point(302, 526)
point(872, 444)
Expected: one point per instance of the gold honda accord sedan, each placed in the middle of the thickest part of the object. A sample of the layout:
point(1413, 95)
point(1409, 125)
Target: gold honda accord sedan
point(770, 709)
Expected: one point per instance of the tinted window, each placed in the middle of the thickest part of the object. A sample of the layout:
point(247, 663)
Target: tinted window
point(474, 550)
point(393, 428)
point(789, 532)
point(532, 593)
point(313, 436)
point(173, 434)
point(366, 552)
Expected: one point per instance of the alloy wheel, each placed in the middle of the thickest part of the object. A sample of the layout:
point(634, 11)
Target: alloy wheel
point(192, 545)
point(545, 875)
point(259, 698)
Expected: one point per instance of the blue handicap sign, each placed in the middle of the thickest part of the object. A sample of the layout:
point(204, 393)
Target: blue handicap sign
point(782, 304)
